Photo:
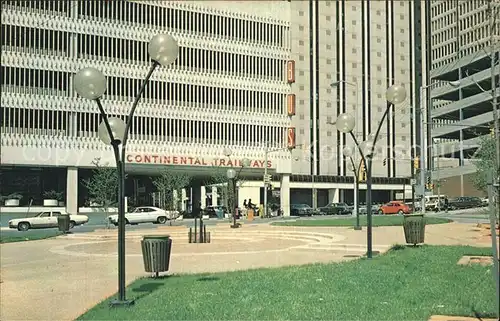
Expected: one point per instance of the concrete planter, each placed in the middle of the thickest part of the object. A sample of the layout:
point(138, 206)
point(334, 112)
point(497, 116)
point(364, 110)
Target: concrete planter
point(50, 202)
point(12, 202)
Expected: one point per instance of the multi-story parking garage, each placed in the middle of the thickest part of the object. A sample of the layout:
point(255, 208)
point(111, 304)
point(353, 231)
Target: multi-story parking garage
point(463, 115)
point(247, 76)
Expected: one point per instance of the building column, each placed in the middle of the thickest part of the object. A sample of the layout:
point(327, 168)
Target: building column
point(203, 196)
point(285, 194)
point(184, 199)
point(72, 190)
point(215, 196)
point(333, 195)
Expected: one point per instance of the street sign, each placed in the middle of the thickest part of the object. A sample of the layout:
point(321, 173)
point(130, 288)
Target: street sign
point(413, 181)
point(267, 178)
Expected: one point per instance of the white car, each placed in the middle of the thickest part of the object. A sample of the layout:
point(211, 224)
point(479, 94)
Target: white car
point(46, 219)
point(145, 214)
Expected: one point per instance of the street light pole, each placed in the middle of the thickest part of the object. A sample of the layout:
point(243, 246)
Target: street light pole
point(423, 150)
point(90, 83)
point(266, 158)
point(356, 190)
point(233, 176)
point(345, 123)
point(425, 134)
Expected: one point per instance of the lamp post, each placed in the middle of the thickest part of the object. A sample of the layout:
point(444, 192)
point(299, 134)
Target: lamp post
point(345, 123)
point(352, 167)
point(233, 176)
point(424, 135)
point(90, 83)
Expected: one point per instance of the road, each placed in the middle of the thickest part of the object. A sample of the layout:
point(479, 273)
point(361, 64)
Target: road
point(98, 220)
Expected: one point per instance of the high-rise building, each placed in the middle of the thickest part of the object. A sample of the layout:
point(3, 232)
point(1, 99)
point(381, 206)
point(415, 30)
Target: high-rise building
point(249, 76)
point(460, 101)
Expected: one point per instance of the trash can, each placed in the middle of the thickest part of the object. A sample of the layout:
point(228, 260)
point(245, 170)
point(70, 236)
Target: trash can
point(63, 223)
point(156, 251)
point(414, 227)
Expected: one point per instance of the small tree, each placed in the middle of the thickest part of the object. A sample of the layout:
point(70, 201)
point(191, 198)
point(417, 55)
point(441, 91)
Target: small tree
point(168, 182)
point(225, 188)
point(103, 185)
point(485, 162)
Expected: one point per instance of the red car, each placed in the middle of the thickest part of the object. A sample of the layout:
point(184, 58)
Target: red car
point(394, 207)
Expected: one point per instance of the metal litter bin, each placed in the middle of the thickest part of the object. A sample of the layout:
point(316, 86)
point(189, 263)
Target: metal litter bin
point(156, 251)
point(414, 227)
point(63, 223)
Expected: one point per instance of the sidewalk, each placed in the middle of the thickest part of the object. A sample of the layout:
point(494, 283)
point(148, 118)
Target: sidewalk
point(59, 279)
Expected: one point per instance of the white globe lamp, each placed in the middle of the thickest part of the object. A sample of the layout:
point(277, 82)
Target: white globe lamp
point(395, 94)
point(345, 123)
point(90, 83)
point(164, 49)
point(117, 126)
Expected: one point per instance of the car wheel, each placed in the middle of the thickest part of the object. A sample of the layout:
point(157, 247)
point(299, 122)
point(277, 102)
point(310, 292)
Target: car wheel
point(126, 221)
point(115, 224)
point(24, 226)
point(380, 212)
point(71, 224)
point(162, 220)
point(400, 212)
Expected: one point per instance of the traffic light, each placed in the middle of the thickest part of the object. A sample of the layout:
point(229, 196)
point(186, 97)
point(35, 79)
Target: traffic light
point(416, 162)
point(492, 132)
point(362, 172)
point(384, 162)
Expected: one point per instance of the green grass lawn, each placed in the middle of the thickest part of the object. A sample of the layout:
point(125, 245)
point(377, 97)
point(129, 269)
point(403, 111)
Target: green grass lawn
point(32, 235)
point(404, 284)
point(396, 220)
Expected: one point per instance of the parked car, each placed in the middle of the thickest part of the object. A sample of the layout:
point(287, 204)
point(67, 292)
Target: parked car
point(335, 209)
point(301, 209)
point(46, 219)
point(212, 211)
point(464, 202)
point(362, 209)
point(145, 214)
point(485, 201)
point(434, 202)
point(394, 207)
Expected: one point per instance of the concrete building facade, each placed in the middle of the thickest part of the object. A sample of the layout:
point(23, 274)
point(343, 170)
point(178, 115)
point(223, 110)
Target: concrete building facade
point(247, 76)
point(462, 115)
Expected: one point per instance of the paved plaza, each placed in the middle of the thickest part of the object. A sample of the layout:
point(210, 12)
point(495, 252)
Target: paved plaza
point(59, 279)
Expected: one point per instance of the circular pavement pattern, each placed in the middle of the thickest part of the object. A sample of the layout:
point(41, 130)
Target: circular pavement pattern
point(222, 243)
